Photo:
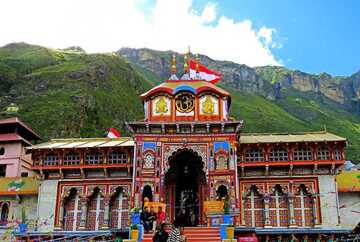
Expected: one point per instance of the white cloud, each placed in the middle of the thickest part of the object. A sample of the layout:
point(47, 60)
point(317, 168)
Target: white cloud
point(105, 26)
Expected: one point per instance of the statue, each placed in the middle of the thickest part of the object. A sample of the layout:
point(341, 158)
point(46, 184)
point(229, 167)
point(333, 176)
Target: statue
point(208, 105)
point(161, 106)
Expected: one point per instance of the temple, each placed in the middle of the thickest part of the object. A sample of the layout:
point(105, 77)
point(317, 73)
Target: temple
point(185, 152)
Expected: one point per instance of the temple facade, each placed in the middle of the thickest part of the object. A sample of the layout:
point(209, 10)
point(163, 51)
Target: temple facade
point(188, 150)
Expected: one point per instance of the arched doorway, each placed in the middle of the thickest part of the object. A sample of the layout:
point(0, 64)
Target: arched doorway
point(4, 214)
point(147, 195)
point(184, 183)
point(221, 192)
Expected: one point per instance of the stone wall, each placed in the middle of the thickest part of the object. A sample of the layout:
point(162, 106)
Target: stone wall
point(46, 204)
point(349, 209)
point(328, 201)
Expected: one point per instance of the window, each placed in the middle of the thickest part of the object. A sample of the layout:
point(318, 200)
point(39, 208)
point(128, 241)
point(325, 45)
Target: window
point(4, 214)
point(254, 155)
point(323, 153)
point(303, 153)
point(303, 208)
point(2, 170)
point(72, 158)
point(254, 209)
point(278, 154)
point(337, 154)
point(24, 174)
point(93, 158)
point(117, 157)
point(278, 208)
point(51, 159)
point(2, 151)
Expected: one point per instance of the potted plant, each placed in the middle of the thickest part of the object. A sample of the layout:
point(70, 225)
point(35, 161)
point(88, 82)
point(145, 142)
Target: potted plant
point(134, 232)
point(135, 216)
point(23, 224)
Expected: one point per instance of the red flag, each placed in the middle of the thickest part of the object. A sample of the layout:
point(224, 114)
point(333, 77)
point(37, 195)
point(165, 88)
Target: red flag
point(203, 73)
point(113, 133)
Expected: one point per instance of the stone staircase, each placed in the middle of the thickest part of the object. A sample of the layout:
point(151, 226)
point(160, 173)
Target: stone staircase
point(195, 234)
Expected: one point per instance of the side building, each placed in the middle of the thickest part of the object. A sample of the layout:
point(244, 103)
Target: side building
point(85, 186)
point(18, 186)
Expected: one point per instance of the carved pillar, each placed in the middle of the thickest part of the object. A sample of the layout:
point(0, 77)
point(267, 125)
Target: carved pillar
point(314, 208)
point(59, 223)
point(292, 222)
point(106, 211)
point(243, 201)
point(266, 210)
point(83, 204)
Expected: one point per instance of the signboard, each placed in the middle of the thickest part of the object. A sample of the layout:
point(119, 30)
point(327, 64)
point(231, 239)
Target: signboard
point(156, 206)
point(213, 207)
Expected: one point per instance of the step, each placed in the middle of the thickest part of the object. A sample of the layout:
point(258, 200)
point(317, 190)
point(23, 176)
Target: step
point(195, 234)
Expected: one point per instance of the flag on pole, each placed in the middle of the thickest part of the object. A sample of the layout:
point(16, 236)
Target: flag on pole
point(113, 133)
point(198, 71)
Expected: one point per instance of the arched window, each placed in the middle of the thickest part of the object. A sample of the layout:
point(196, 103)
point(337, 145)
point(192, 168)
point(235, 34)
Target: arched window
point(254, 154)
point(117, 157)
point(278, 208)
point(221, 162)
point(278, 154)
point(72, 158)
point(95, 211)
point(4, 214)
point(254, 208)
point(93, 158)
point(323, 153)
point(337, 154)
point(119, 213)
point(72, 211)
point(51, 159)
point(303, 208)
point(303, 153)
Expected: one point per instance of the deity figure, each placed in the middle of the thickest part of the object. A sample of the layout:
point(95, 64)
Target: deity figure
point(208, 105)
point(161, 105)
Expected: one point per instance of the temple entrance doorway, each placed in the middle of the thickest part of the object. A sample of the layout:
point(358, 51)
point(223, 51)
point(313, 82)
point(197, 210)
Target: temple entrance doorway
point(185, 183)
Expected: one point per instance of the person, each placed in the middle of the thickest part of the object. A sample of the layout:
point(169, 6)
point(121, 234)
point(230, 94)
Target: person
point(161, 235)
point(145, 219)
point(161, 217)
point(152, 219)
point(177, 233)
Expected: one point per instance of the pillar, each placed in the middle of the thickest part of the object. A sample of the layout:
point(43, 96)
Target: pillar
point(314, 208)
point(292, 222)
point(83, 204)
point(106, 212)
point(243, 201)
point(266, 210)
point(59, 223)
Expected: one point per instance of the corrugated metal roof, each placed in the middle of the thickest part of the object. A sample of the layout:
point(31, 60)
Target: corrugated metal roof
point(84, 143)
point(289, 138)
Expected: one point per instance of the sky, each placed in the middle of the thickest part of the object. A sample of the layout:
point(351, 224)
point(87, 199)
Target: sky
point(312, 36)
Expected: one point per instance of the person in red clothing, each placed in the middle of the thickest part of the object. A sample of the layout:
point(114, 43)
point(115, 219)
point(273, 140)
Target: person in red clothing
point(160, 216)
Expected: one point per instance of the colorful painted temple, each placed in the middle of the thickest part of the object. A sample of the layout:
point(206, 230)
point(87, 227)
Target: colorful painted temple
point(188, 151)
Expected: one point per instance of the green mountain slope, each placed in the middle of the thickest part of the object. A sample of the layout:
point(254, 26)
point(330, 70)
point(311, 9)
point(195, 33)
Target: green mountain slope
point(66, 93)
point(275, 99)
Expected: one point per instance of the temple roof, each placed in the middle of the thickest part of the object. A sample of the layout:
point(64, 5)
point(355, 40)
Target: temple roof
point(12, 125)
point(195, 86)
point(84, 143)
point(18, 186)
point(348, 181)
point(321, 136)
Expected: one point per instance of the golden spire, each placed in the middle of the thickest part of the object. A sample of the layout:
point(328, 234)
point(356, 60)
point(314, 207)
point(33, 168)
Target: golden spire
point(186, 63)
point(173, 64)
point(197, 62)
